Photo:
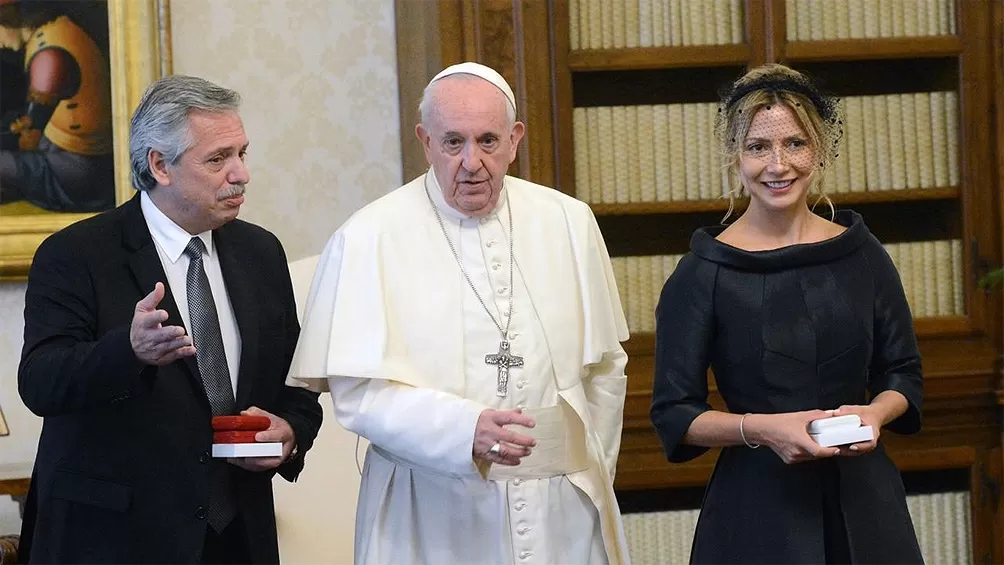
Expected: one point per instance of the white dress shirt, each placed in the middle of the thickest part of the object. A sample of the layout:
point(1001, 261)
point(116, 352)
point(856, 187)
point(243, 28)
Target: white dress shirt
point(171, 240)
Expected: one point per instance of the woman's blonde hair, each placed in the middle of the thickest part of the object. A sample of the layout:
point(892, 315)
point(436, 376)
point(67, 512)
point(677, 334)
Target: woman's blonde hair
point(817, 114)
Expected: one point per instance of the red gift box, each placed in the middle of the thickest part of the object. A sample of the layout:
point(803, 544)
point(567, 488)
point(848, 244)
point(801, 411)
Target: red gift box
point(234, 437)
point(246, 423)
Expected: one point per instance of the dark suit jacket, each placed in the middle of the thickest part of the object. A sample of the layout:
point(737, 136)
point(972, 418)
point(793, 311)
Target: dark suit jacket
point(122, 470)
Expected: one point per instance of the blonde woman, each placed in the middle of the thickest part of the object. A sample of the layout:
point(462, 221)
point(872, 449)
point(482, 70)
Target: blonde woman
point(801, 318)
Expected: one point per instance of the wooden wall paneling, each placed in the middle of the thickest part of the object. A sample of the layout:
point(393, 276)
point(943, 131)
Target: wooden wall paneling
point(564, 174)
point(511, 36)
point(976, 78)
point(463, 16)
point(984, 492)
point(997, 28)
point(434, 34)
point(994, 471)
point(429, 38)
point(516, 38)
point(495, 29)
point(981, 191)
point(996, 464)
point(537, 87)
point(417, 51)
point(498, 33)
point(766, 26)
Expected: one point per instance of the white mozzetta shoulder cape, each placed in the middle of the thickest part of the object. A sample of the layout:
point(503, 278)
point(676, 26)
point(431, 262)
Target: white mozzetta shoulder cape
point(385, 302)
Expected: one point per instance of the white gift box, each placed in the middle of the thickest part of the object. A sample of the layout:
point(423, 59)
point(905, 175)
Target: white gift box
point(263, 449)
point(840, 430)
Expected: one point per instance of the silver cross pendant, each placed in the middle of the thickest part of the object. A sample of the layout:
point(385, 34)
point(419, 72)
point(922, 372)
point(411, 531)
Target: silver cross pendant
point(503, 359)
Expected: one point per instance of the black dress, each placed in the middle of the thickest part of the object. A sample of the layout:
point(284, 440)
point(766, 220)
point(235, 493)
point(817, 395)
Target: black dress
point(804, 327)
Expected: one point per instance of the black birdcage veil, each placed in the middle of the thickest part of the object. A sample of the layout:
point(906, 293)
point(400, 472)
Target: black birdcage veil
point(818, 114)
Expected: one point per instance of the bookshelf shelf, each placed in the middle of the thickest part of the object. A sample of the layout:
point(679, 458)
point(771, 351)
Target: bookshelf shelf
point(643, 343)
point(911, 195)
point(942, 326)
point(873, 48)
point(645, 208)
point(721, 205)
point(658, 57)
point(696, 473)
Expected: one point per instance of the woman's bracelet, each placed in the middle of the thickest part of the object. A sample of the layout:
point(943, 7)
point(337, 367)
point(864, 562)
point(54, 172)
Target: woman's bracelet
point(742, 434)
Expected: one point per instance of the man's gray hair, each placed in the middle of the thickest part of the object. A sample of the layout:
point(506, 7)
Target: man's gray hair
point(426, 106)
point(160, 122)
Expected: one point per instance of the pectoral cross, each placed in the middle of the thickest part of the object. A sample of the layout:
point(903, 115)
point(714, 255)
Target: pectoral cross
point(503, 359)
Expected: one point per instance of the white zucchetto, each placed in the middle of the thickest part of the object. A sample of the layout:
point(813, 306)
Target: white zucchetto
point(481, 71)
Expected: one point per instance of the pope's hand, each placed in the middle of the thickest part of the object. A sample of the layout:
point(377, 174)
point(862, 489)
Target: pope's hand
point(513, 446)
point(152, 342)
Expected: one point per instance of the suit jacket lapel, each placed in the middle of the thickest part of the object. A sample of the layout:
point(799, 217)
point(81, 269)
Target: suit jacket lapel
point(148, 271)
point(234, 263)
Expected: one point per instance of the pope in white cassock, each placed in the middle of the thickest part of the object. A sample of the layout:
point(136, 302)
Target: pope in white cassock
point(468, 325)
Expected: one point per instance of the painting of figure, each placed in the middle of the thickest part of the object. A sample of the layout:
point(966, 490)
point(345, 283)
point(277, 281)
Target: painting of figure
point(55, 108)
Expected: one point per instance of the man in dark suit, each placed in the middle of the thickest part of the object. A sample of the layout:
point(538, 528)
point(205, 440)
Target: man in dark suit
point(142, 323)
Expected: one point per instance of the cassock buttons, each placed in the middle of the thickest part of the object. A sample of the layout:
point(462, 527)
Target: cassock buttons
point(204, 457)
point(525, 554)
point(200, 513)
point(496, 266)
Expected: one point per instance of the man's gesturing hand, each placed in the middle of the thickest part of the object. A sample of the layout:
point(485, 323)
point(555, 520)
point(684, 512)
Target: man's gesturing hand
point(153, 343)
point(512, 446)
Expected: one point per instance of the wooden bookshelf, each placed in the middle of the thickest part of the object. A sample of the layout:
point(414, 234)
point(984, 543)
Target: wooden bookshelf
point(877, 48)
point(529, 43)
point(721, 205)
point(658, 58)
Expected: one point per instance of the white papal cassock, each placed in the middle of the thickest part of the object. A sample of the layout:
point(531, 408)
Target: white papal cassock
point(395, 333)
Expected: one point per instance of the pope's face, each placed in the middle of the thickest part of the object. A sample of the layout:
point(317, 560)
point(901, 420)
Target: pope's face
point(469, 143)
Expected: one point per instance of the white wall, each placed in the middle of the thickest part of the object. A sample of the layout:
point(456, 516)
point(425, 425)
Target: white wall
point(319, 81)
point(24, 426)
point(17, 451)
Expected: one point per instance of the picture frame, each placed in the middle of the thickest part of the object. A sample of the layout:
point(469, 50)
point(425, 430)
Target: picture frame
point(139, 53)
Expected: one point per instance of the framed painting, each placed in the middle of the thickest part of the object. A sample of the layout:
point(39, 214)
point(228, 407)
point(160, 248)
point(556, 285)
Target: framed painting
point(71, 73)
